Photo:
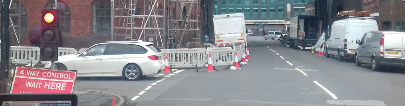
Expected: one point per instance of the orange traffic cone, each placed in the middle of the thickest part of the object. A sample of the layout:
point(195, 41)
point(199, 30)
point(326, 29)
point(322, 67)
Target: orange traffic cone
point(166, 70)
point(247, 52)
point(236, 64)
point(210, 68)
point(320, 52)
point(244, 62)
point(113, 101)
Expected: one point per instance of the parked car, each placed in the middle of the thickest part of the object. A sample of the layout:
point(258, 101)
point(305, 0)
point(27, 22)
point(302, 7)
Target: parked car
point(129, 59)
point(272, 34)
point(381, 48)
point(344, 33)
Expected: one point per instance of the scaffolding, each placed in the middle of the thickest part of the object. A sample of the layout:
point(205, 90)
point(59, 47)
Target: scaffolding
point(139, 20)
point(156, 21)
point(184, 29)
point(15, 22)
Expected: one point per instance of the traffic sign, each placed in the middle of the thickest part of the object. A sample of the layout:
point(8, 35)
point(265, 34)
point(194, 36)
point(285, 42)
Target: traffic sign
point(30, 80)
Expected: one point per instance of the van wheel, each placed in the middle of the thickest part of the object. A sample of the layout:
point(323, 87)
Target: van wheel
point(357, 61)
point(132, 72)
point(374, 65)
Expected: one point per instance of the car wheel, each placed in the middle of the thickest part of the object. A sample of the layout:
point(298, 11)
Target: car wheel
point(132, 72)
point(374, 65)
point(60, 66)
point(357, 61)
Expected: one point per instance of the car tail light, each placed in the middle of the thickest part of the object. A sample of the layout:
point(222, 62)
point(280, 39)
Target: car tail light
point(227, 43)
point(382, 45)
point(299, 44)
point(215, 44)
point(345, 45)
point(153, 57)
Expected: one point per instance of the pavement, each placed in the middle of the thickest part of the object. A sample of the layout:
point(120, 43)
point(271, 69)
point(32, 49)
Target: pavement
point(276, 75)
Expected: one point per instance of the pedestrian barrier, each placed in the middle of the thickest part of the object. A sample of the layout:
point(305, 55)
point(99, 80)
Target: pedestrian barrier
point(24, 55)
point(186, 58)
point(239, 49)
point(221, 56)
point(66, 51)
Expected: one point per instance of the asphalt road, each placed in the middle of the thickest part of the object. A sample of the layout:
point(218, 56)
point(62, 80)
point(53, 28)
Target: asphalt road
point(276, 75)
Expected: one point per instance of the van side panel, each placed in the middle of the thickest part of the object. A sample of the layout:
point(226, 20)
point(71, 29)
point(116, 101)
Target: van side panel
point(338, 33)
point(356, 30)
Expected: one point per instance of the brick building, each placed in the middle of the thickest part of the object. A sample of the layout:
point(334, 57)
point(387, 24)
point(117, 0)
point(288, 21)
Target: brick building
point(392, 16)
point(83, 22)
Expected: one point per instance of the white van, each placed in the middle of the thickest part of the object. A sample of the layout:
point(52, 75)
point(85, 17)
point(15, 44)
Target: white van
point(345, 32)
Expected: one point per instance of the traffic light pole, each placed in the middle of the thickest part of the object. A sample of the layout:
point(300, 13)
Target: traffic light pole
point(5, 46)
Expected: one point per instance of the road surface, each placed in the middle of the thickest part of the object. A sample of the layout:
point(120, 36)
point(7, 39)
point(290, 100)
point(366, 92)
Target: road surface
point(275, 76)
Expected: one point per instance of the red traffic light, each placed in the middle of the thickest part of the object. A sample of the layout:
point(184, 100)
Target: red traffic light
point(49, 17)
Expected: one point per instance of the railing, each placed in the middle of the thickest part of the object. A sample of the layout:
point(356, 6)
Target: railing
point(221, 56)
point(186, 58)
point(24, 55)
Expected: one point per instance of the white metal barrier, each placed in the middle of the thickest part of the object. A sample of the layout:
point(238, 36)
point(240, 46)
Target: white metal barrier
point(24, 55)
point(186, 58)
point(221, 56)
point(66, 51)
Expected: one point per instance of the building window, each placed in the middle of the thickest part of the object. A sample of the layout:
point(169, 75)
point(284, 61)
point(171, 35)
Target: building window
point(247, 2)
point(255, 2)
point(102, 17)
point(18, 23)
point(280, 13)
point(272, 13)
point(263, 14)
point(231, 2)
point(64, 15)
point(223, 2)
point(400, 26)
point(302, 11)
point(239, 2)
point(386, 26)
point(239, 10)
point(231, 10)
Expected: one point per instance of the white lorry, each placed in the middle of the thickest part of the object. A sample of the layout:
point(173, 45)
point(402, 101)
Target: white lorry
point(229, 29)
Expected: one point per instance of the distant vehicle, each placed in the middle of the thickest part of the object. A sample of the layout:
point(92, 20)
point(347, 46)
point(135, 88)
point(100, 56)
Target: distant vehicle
point(229, 29)
point(345, 32)
point(303, 31)
point(249, 32)
point(381, 48)
point(272, 35)
point(129, 59)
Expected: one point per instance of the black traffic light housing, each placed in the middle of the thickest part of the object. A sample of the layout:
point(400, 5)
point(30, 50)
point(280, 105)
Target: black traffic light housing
point(50, 35)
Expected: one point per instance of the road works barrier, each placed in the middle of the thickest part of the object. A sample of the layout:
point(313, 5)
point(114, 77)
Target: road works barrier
point(186, 58)
point(221, 56)
point(29, 55)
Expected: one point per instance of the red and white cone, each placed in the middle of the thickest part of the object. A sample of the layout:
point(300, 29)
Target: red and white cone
point(320, 52)
point(166, 70)
point(247, 52)
point(210, 68)
point(244, 62)
point(113, 101)
point(236, 64)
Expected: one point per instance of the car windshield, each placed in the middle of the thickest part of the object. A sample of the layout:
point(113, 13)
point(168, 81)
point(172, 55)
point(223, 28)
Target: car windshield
point(205, 52)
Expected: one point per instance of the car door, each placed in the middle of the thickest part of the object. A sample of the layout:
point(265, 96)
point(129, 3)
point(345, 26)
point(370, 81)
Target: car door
point(90, 62)
point(362, 49)
point(115, 58)
point(368, 47)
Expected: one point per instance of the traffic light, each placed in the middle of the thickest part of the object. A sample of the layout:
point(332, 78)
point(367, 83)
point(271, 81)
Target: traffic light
point(50, 35)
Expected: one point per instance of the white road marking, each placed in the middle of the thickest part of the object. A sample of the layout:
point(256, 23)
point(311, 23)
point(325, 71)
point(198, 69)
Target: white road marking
point(294, 69)
point(302, 72)
point(147, 88)
point(277, 54)
point(356, 102)
point(289, 63)
point(274, 51)
point(141, 93)
point(167, 76)
point(268, 47)
point(326, 90)
point(161, 74)
point(281, 57)
point(136, 97)
point(153, 83)
point(171, 74)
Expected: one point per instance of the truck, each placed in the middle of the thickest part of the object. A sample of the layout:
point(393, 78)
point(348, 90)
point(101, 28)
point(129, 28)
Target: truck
point(229, 29)
point(303, 31)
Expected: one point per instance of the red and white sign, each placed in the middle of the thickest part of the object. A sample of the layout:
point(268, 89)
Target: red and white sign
point(29, 80)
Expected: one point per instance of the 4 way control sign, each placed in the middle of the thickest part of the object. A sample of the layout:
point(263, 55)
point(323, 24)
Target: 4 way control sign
point(29, 80)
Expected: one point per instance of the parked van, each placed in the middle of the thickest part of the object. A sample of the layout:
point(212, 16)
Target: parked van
point(345, 32)
point(381, 48)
